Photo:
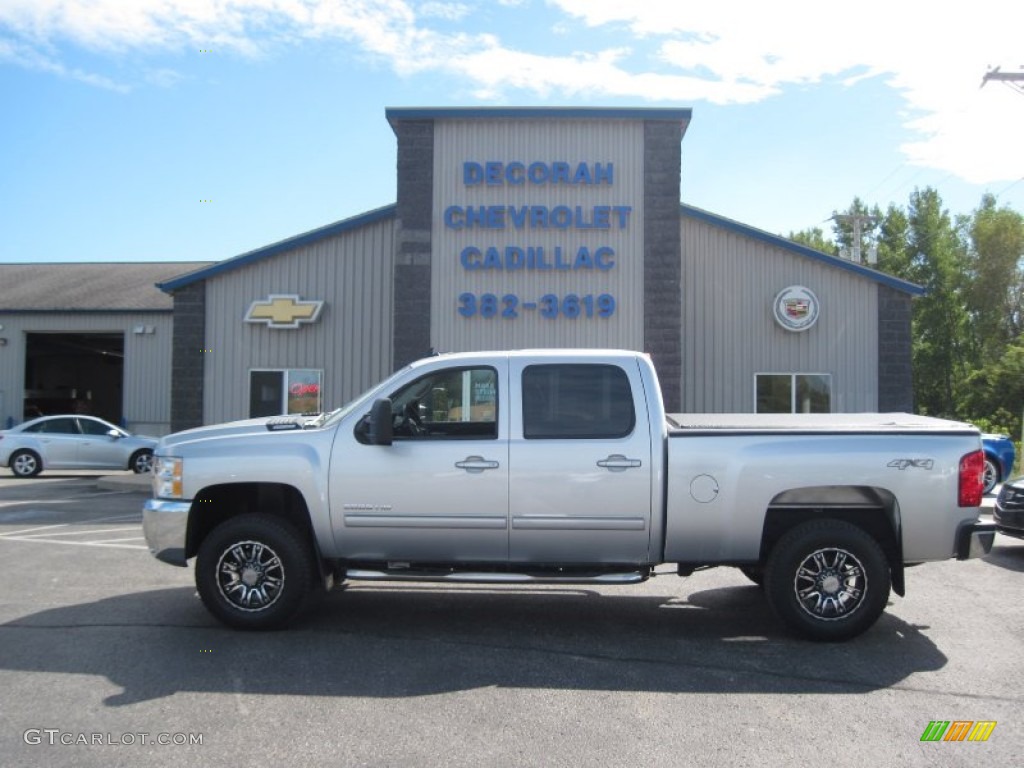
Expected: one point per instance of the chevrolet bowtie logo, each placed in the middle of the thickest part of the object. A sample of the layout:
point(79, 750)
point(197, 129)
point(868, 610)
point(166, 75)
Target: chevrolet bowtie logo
point(283, 311)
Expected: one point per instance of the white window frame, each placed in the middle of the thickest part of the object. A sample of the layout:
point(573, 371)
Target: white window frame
point(793, 388)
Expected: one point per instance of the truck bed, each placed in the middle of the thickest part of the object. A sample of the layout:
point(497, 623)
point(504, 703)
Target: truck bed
point(684, 424)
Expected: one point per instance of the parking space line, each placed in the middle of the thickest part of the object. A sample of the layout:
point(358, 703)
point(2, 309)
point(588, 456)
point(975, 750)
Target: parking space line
point(34, 501)
point(80, 533)
point(37, 528)
point(135, 517)
point(74, 543)
point(109, 541)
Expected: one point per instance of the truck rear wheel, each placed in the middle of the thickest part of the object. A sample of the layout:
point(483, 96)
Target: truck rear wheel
point(254, 572)
point(827, 580)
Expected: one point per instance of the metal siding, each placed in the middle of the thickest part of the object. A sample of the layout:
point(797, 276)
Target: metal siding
point(146, 394)
point(729, 334)
point(147, 376)
point(573, 141)
point(350, 342)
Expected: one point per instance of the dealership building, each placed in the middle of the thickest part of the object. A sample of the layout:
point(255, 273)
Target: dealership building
point(513, 228)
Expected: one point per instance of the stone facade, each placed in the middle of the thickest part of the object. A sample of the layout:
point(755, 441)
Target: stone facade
point(662, 256)
point(411, 334)
point(895, 374)
point(187, 356)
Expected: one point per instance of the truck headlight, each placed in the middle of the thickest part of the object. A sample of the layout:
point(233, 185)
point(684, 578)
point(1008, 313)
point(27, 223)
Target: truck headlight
point(167, 477)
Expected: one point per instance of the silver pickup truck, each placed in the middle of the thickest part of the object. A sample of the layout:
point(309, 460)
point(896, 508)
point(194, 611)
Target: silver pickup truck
point(561, 466)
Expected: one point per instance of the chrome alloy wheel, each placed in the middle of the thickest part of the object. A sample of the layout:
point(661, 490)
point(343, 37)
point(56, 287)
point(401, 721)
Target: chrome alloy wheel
point(25, 464)
point(830, 584)
point(250, 576)
point(990, 476)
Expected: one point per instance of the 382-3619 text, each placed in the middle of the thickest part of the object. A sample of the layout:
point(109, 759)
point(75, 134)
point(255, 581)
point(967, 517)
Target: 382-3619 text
point(549, 306)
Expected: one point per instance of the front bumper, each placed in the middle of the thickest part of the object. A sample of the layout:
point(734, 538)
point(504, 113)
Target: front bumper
point(974, 540)
point(1009, 521)
point(165, 525)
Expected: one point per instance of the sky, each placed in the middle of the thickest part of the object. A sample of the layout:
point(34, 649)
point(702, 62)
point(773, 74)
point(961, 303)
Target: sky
point(185, 130)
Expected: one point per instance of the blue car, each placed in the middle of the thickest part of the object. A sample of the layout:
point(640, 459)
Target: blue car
point(999, 457)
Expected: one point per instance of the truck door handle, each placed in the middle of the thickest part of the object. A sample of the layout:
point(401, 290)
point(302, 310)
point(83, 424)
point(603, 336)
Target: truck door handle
point(618, 463)
point(476, 464)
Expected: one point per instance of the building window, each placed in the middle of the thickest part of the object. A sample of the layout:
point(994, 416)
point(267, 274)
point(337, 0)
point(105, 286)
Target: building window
point(277, 392)
point(793, 393)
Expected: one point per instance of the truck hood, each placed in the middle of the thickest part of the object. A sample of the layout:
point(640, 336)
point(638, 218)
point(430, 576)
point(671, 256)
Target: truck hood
point(228, 429)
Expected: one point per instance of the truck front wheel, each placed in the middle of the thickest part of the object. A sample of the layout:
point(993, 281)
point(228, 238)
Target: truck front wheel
point(254, 572)
point(827, 580)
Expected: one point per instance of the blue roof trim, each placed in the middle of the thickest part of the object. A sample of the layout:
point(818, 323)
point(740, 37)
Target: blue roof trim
point(782, 242)
point(314, 235)
point(682, 114)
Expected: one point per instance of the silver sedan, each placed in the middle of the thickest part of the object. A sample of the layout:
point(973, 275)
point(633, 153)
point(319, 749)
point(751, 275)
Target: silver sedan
point(73, 442)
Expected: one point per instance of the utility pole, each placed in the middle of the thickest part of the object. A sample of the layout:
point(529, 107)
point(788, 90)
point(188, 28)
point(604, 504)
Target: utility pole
point(1014, 79)
point(857, 221)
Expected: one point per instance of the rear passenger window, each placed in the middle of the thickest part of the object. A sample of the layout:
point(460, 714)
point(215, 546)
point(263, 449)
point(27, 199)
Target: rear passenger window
point(576, 401)
point(55, 427)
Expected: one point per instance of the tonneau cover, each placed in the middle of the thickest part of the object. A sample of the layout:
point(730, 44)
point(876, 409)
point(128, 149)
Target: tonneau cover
point(686, 423)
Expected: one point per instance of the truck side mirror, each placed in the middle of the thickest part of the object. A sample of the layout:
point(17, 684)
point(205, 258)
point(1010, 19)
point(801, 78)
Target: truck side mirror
point(380, 422)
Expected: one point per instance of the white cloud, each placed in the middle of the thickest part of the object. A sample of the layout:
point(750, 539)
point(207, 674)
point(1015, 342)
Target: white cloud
point(933, 56)
point(447, 11)
point(728, 52)
point(28, 57)
point(164, 77)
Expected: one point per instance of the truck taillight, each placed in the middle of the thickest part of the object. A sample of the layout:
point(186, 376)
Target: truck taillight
point(972, 482)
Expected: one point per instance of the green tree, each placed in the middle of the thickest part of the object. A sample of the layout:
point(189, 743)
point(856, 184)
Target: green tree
point(937, 260)
point(995, 269)
point(993, 396)
point(814, 238)
point(893, 246)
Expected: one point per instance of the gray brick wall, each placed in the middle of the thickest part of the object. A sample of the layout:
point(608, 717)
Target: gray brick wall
point(663, 256)
point(411, 335)
point(187, 357)
point(895, 373)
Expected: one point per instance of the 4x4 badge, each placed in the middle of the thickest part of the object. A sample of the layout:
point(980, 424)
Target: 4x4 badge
point(908, 463)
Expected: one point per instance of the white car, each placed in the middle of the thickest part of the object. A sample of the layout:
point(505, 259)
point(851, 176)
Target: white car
point(73, 442)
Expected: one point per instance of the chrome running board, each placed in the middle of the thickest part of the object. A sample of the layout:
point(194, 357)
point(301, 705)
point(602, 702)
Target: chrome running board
point(483, 577)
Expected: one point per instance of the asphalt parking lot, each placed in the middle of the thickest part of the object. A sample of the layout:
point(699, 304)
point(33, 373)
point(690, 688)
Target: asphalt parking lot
point(105, 653)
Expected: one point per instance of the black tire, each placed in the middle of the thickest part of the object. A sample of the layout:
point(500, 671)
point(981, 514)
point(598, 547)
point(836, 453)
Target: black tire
point(990, 476)
point(25, 463)
point(827, 580)
point(754, 573)
point(254, 571)
point(141, 461)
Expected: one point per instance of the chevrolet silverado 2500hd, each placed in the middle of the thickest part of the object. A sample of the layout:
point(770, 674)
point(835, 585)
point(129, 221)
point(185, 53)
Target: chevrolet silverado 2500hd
point(561, 466)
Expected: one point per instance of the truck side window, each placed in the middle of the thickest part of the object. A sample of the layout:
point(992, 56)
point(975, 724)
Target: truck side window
point(576, 401)
point(454, 403)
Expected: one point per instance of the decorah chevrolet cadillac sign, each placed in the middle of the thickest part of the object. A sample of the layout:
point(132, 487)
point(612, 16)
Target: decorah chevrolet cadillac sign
point(796, 308)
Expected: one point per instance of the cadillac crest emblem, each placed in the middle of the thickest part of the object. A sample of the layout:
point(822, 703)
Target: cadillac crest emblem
point(796, 308)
